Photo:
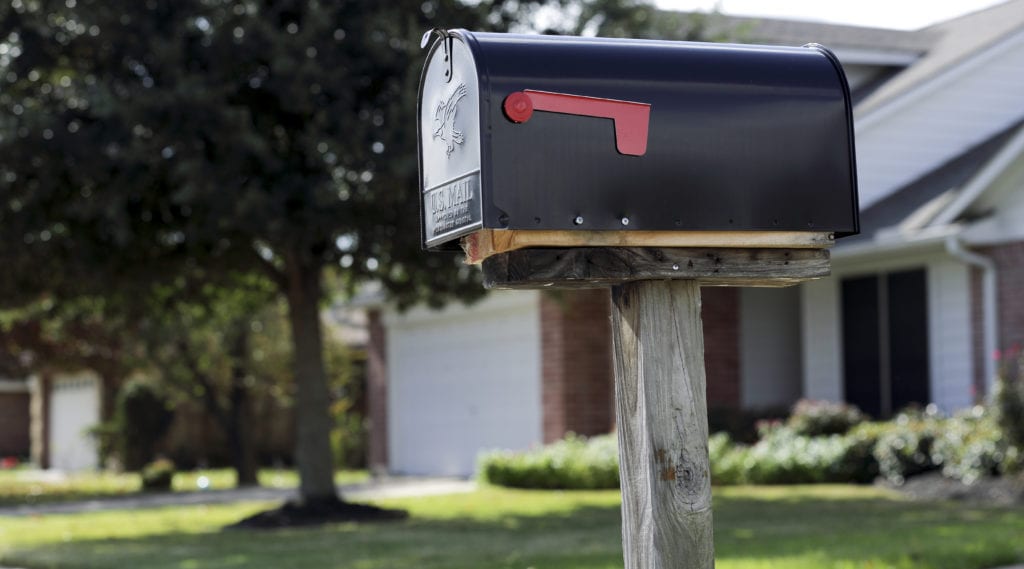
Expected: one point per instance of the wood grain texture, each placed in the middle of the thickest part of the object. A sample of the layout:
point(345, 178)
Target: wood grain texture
point(595, 267)
point(660, 400)
point(485, 243)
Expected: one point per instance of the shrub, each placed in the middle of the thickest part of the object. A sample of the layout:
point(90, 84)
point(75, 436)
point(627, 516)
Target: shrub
point(142, 417)
point(157, 475)
point(1008, 403)
point(784, 457)
point(858, 463)
point(820, 418)
point(349, 440)
point(572, 463)
point(971, 446)
point(726, 460)
point(905, 449)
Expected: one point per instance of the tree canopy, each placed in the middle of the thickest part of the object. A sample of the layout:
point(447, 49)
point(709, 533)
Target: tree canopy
point(140, 140)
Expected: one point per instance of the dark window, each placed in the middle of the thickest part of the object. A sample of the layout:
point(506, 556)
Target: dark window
point(885, 341)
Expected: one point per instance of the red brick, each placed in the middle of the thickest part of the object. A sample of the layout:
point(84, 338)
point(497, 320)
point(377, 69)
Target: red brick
point(1009, 259)
point(576, 365)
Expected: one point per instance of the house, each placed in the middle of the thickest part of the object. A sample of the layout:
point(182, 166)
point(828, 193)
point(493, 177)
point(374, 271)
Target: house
point(63, 407)
point(914, 308)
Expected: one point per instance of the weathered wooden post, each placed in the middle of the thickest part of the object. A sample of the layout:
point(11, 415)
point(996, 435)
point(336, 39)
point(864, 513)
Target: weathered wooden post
point(720, 166)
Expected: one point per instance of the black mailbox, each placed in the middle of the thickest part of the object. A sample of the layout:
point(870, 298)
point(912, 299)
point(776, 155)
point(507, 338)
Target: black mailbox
point(566, 133)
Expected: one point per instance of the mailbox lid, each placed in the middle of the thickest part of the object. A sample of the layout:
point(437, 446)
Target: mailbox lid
point(740, 137)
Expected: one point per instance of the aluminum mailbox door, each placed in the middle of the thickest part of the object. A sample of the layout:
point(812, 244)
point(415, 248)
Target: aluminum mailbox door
point(449, 130)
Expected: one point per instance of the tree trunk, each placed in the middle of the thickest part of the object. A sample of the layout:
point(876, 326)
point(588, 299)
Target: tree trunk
point(313, 422)
point(663, 425)
point(239, 425)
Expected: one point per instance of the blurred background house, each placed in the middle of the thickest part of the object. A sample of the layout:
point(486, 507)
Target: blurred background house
point(915, 309)
point(51, 419)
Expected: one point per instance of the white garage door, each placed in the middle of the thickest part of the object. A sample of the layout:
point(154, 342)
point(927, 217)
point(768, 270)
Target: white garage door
point(74, 408)
point(463, 380)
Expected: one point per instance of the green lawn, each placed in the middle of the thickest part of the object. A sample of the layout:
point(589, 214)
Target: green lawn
point(31, 487)
point(778, 527)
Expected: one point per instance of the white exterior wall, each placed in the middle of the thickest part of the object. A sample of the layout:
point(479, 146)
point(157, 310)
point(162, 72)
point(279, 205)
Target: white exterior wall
point(822, 340)
point(74, 408)
point(938, 120)
point(770, 365)
point(949, 335)
point(1005, 200)
point(950, 345)
point(462, 380)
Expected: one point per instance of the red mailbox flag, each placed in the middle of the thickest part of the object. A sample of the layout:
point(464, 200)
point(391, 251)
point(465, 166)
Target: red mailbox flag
point(631, 119)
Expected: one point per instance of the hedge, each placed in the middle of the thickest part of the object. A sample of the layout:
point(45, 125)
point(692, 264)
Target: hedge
point(965, 447)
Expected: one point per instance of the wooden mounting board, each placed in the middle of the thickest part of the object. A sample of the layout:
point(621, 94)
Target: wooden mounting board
point(598, 267)
point(488, 242)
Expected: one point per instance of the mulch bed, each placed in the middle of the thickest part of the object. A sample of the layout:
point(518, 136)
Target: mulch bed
point(1002, 491)
point(293, 514)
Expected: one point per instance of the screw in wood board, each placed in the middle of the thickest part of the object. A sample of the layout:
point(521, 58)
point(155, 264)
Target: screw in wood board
point(661, 409)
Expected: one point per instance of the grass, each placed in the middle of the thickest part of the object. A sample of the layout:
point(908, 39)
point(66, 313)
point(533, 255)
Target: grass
point(32, 487)
point(841, 527)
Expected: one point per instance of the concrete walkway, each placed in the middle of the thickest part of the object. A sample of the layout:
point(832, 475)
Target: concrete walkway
point(392, 487)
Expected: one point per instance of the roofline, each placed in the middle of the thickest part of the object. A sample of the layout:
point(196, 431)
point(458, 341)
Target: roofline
point(900, 242)
point(868, 56)
point(983, 180)
point(877, 114)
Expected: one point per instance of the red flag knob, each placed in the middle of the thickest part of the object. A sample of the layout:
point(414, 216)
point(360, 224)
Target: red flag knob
point(518, 107)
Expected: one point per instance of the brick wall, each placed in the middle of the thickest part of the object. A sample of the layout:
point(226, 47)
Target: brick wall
point(1009, 259)
point(377, 393)
point(720, 312)
point(14, 424)
point(578, 377)
point(576, 361)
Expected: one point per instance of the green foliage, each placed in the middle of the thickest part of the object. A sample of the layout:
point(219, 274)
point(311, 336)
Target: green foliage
point(158, 475)
point(144, 141)
point(727, 460)
point(346, 371)
point(1009, 410)
point(965, 447)
point(574, 463)
point(905, 449)
point(349, 439)
point(785, 457)
point(817, 418)
point(971, 446)
point(141, 139)
point(141, 419)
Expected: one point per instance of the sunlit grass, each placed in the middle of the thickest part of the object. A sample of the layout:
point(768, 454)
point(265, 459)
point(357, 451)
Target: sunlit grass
point(841, 527)
point(32, 487)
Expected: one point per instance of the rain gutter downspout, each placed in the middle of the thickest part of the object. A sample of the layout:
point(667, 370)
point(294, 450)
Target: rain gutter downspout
point(990, 314)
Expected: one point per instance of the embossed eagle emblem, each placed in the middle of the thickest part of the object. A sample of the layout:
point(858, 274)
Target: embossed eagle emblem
point(444, 119)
